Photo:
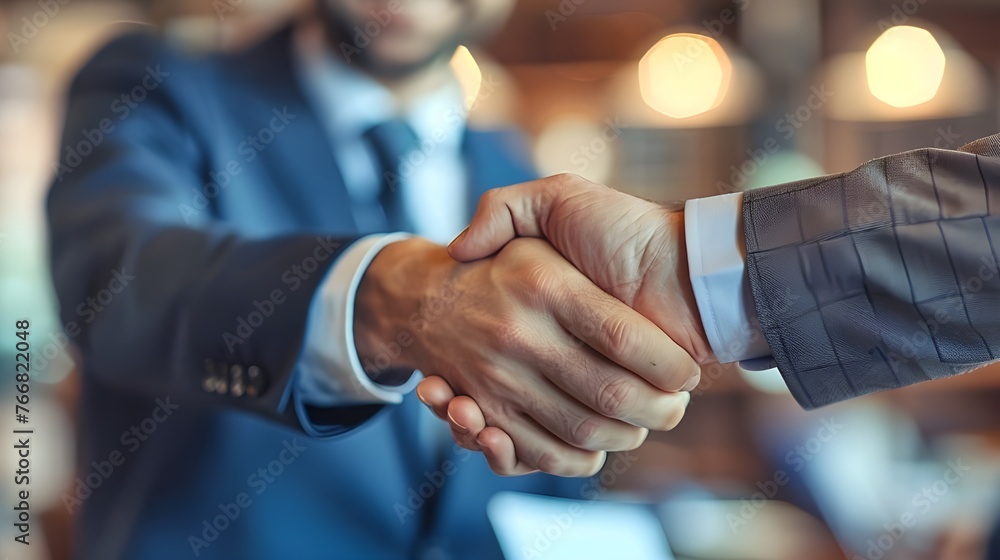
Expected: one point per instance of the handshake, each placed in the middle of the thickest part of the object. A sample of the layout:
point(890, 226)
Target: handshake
point(550, 352)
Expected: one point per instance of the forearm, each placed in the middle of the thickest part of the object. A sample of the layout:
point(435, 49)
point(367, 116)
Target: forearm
point(220, 324)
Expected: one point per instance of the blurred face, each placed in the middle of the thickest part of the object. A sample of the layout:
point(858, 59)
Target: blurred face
point(395, 38)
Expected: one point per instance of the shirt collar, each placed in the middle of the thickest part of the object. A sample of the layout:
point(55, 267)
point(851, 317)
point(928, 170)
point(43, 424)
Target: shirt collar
point(349, 102)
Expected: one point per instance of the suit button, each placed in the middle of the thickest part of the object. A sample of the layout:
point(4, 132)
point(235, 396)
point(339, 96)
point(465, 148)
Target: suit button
point(222, 384)
point(256, 382)
point(237, 382)
point(208, 379)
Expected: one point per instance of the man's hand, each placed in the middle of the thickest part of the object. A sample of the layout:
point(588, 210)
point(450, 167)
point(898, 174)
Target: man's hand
point(631, 248)
point(567, 371)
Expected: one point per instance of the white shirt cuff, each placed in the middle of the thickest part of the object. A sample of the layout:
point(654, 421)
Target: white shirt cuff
point(330, 372)
point(713, 228)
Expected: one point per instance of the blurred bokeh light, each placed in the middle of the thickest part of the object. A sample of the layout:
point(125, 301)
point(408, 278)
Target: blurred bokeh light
point(684, 75)
point(468, 74)
point(905, 66)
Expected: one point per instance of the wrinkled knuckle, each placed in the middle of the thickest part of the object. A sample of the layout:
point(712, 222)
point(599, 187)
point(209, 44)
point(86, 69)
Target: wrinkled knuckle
point(553, 463)
point(574, 181)
point(563, 184)
point(568, 178)
point(518, 257)
point(587, 433)
point(619, 337)
point(617, 398)
point(490, 198)
point(537, 278)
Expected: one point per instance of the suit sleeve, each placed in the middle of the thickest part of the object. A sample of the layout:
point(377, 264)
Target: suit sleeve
point(158, 299)
point(880, 277)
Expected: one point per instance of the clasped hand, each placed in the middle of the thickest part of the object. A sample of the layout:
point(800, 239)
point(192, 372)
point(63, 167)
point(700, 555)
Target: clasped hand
point(552, 352)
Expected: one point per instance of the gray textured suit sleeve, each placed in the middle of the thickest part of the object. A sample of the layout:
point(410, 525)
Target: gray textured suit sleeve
point(880, 277)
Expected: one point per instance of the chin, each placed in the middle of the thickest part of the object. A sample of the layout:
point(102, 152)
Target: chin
point(399, 60)
point(402, 52)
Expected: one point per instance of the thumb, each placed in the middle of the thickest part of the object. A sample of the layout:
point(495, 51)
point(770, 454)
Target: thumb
point(502, 214)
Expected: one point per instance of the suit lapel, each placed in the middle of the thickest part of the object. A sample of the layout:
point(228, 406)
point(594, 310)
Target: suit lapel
point(300, 155)
point(302, 158)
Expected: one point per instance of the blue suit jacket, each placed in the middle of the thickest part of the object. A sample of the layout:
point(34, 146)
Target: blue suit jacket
point(187, 190)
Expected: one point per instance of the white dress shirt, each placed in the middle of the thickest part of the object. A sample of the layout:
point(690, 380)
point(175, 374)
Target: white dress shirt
point(434, 192)
point(713, 228)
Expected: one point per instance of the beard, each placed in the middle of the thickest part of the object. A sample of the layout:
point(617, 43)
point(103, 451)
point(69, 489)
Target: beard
point(341, 27)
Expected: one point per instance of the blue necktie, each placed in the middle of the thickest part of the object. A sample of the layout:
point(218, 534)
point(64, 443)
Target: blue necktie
point(393, 141)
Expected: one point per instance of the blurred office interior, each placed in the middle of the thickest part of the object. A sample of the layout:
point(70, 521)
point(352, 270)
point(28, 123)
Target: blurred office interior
point(668, 100)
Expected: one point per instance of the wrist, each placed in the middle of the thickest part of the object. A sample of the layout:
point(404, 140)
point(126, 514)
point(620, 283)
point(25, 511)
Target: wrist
point(669, 301)
point(389, 297)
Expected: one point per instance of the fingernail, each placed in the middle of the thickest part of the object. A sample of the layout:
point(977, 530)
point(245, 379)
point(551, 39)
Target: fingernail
point(456, 425)
point(693, 381)
point(688, 400)
point(421, 397)
point(459, 238)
